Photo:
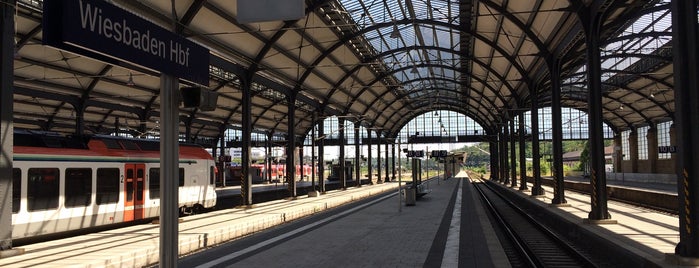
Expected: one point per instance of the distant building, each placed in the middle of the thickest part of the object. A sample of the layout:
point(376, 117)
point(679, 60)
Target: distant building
point(571, 159)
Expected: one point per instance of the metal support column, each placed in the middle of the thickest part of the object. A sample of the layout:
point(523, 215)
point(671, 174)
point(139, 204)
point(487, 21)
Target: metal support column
point(494, 167)
point(393, 159)
point(357, 158)
point(7, 48)
point(378, 157)
point(369, 158)
point(187, 127)
point(536, 155)
point(652, 141)
point(268, 157)
point(222, 151)
point(321, 157)
point(291, 145)
point(591, 22)
point(633, 149)
point(301, 173)
point(117, 126)
point(79, 119)
point(343, 141)
point(314, 162)
point(246, 128)
point(388, 177)
point(169, 158)
point(501, 157)
point(513, 155)
point(505, 154)
point(522, 154)
point(557, 131)
point(685, 39)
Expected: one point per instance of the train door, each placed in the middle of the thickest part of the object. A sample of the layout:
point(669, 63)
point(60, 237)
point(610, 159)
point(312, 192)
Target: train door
point(134, 181)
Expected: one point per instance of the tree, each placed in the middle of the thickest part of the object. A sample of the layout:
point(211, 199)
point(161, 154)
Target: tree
point(585, 158)
point(476, 155)
point(572, 146)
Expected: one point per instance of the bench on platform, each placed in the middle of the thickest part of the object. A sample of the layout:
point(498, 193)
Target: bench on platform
point(421, 190)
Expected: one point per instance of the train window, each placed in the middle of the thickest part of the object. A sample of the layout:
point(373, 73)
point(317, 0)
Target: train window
point(107, 185)
point(154, 183)
point(129, 190)
point(129, 185)
point(16, 189)
point(212, 175)
point(42, 188)
point(78, 189)
point(139, 190)
point(139, 184)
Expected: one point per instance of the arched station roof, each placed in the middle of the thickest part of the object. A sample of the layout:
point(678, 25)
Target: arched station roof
point(382, 62)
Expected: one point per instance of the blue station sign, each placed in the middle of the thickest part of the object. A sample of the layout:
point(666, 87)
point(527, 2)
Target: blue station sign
point(97, 29)
point(667, 149)
point(416, 153)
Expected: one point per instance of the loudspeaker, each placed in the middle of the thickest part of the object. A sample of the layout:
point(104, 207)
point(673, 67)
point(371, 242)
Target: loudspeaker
point(196, 97)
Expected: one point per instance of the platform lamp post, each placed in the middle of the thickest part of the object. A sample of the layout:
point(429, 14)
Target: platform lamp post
point(412, 141)
point(427, 160)
point(400, 179)
point(370, 154)
point(314, 159)
point(436, 166)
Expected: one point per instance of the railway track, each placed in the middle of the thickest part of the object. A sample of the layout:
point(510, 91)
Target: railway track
point(526, 241)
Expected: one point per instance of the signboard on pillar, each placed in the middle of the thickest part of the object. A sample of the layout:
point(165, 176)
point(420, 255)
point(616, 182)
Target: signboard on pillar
point(416, 153)
point(667, 149)
point(105, 32)
point(224, 158)
point(439, 153)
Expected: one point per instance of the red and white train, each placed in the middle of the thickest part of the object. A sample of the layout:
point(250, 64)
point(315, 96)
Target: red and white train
point(62, 184)
point(279, 171)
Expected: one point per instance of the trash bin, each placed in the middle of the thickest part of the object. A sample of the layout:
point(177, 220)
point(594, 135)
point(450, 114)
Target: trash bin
point(409, 193)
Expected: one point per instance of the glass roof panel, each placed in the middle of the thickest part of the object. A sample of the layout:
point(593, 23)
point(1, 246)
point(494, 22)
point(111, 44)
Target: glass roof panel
point(654, 22)
point(411, 47)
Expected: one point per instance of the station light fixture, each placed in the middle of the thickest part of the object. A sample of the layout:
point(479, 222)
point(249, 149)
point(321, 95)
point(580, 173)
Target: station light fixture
point(395, 33)
point(130, 81)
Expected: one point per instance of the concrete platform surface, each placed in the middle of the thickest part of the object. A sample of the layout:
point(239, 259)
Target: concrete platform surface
point(445, 228)
point(138, 246)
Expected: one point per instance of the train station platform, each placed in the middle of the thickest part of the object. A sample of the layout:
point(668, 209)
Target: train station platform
point(647, 235)
point(445, 228)
point(436, 231)
point(426, 235)
point(138, 246)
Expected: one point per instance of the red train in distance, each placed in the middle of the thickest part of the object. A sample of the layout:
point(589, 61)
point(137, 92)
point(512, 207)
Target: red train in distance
point(259, 174)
